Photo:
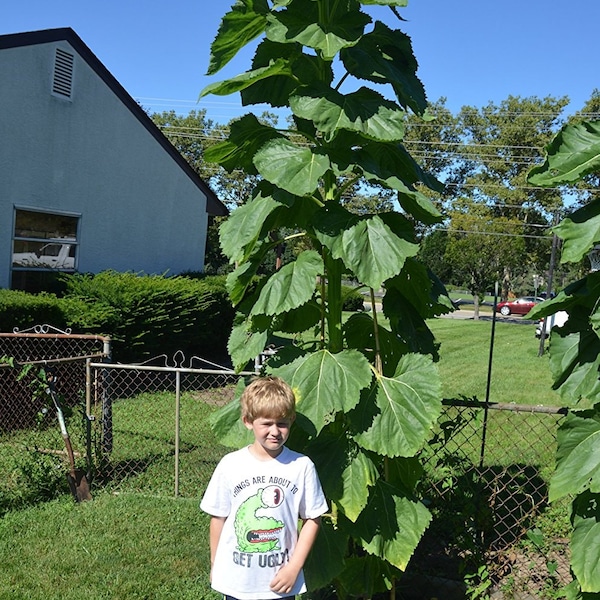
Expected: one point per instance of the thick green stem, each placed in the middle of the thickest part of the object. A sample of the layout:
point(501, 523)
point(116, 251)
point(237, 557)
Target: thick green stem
point(333, 274)
point(378, 363)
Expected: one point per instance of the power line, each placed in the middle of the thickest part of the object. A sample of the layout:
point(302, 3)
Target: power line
point(494, 233)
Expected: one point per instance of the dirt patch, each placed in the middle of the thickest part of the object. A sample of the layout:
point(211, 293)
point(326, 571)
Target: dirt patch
point(216, 396)
point(526, 573)
point(517, 573)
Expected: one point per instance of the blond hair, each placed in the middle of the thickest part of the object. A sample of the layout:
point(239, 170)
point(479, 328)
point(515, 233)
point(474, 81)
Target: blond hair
point(268, 397)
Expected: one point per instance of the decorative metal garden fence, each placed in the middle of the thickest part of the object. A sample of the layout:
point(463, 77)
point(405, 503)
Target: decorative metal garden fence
point(155, 420)
point(49, 348)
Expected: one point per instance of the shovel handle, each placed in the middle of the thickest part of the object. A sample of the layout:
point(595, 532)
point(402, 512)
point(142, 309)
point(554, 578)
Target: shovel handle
point(63, 428)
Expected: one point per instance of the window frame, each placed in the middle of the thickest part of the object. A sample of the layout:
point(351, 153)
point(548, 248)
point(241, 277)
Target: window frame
point(73, 243)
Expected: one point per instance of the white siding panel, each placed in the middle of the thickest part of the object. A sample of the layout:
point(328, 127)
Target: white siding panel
point(90, 155)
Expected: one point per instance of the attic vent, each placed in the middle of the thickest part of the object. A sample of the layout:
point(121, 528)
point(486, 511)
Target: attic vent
point(62, 82)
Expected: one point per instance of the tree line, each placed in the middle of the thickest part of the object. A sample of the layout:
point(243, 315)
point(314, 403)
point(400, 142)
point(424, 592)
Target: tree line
point(496, 226)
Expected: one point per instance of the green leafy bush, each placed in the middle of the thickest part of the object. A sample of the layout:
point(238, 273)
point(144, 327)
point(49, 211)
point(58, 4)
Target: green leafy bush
point(352, 300)
point(150, 315)
point(23, 310)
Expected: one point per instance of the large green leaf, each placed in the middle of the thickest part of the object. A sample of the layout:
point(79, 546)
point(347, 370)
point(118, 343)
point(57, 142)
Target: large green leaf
point(244, 344)
point(245, 80)
point(239, 280)
point(326, 31)
point(392, 525)
point(227, 424)
point(293, 168)
point(359, 332)
point(245, 21)
point(369, 574)
point(364, 111)
point(573, 153)
point(357, 478)
point(422, 289)
point(585, 542)
point(578, 456)
point(408, 324)
point(409, 405)
point(574, 364)
point(276, 90)
point(326, 560)
point(419, 206)
point(391, 165)
point(291, 286)
point(244, 226)
point(299, 319)
point(373, 251)
point(405, 473)
point(385, 56)
point(335, 454)
point(331, 453)
point(246, 136)
point(326, 383)
point(366, 245)
point(580, 231)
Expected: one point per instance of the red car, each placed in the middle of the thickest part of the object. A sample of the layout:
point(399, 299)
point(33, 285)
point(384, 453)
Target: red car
point(518, 306)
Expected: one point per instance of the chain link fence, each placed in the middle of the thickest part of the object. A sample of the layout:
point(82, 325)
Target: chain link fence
point(47, 348)
point(486, 475)
point(151, 428)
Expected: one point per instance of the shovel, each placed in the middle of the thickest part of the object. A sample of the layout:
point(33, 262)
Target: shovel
point(77, 478)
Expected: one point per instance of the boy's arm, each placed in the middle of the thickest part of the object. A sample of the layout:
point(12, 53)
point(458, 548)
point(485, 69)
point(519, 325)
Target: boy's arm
point(284, 580)
point(215, 529)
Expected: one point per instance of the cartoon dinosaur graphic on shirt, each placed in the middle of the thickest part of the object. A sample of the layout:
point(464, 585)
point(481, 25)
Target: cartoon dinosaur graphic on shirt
point(258, 533)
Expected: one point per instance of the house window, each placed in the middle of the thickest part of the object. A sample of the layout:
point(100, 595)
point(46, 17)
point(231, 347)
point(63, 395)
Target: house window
point(43, 243)
point(62, 78)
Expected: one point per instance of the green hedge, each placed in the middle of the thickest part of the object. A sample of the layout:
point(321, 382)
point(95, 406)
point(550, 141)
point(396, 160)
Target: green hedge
point(353, 301)
point(22, 310)
point(145, 316)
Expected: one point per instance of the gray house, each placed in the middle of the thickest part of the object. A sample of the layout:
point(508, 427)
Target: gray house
point(87, 181)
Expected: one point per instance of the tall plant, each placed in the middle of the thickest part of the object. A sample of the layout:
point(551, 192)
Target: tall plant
point(575, 355)
point(368, 392)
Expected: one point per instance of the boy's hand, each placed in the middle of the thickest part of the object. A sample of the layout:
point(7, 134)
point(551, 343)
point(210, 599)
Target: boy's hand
point(285, 579)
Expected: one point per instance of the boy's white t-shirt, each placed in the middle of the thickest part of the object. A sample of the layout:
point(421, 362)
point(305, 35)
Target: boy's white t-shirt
point(262, 501)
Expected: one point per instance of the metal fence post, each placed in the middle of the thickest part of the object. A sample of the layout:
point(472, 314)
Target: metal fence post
point(177, 427)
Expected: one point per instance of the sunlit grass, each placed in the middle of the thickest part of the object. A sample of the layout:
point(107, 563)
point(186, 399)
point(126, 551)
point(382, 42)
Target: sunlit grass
point(116, 546)
point(518, 374)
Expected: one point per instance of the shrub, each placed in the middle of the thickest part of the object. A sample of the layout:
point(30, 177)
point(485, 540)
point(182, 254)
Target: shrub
point(353, 301)
point(23, 310)
point(150, 315)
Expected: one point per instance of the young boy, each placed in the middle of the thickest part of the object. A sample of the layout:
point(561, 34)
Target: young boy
point(255, 498)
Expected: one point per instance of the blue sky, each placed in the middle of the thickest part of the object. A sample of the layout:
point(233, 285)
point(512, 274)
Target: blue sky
point(470, 51)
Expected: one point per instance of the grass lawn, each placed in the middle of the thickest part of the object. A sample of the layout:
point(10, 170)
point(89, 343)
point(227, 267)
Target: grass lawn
point(135, 541)
point(125, 547)
point(518, 374)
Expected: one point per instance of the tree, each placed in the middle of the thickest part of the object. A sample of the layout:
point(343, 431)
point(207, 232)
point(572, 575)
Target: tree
point(368, 394)
point(432, 252)
point(436, 141)
point(502, 143)
point(479, 246)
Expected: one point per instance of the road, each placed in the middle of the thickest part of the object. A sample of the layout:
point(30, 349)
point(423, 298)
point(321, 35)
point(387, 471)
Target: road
point(466, 312)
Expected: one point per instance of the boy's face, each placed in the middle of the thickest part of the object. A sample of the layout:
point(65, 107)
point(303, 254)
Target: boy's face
point(270, 434)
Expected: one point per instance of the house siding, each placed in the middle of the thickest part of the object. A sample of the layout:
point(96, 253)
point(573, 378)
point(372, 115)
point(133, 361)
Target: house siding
point(89, 155)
